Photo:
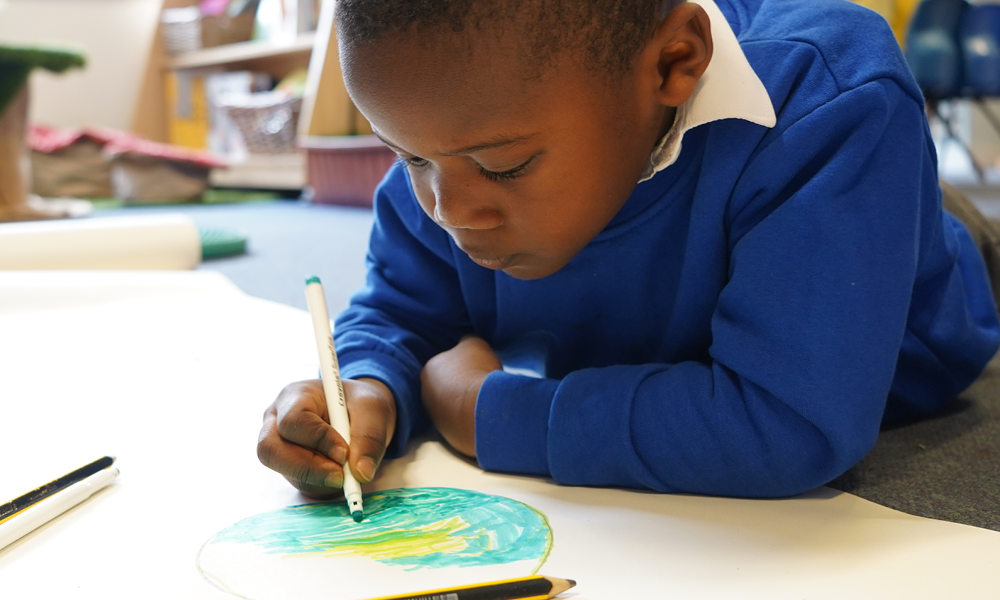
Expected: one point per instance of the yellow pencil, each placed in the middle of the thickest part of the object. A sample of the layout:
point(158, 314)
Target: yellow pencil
point(524, 588)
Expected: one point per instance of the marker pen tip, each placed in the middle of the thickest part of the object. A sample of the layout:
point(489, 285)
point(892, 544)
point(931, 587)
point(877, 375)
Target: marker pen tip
point(358, 515)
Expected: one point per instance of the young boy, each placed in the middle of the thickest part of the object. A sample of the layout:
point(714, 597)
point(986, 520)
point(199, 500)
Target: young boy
point(712, 230)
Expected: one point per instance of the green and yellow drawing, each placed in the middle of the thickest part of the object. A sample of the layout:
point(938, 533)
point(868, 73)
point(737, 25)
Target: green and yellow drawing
point(417, 528)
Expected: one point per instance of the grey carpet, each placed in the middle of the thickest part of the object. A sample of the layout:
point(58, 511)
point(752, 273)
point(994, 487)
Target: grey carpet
point(946, 467)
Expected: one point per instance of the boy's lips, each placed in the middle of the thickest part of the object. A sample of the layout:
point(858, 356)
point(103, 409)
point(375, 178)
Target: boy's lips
point(483, 255)
point(495, 263)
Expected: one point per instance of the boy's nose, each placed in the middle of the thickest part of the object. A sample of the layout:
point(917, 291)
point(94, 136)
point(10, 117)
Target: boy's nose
point(456, 209)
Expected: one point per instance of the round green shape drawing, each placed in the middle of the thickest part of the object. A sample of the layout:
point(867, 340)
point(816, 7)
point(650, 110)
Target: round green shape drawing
point(417, 528)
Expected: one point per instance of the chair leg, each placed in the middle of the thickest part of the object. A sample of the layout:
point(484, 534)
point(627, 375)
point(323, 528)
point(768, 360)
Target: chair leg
point(990, 115)
point(985, 233)
point(934, 106)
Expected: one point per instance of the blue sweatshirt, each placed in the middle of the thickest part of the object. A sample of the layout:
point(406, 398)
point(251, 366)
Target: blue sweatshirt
point(746, 322)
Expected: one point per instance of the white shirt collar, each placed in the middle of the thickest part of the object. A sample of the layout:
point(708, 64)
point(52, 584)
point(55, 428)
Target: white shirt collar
point(729, 89)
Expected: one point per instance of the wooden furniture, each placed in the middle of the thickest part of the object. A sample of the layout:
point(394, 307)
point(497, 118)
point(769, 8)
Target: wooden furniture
point(327, 110)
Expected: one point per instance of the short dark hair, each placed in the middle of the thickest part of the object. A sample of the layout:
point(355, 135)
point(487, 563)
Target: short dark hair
point(605, 34)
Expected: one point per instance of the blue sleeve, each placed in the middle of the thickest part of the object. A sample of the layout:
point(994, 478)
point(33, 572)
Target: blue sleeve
point(952, 301)
point(825, 236)
point(410, 309)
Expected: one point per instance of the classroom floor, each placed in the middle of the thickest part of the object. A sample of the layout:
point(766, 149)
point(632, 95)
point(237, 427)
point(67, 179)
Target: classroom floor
point(946, 467)
point(288, 240)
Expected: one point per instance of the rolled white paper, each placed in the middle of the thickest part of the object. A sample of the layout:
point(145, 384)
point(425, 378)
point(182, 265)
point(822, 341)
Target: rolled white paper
point(148, 242)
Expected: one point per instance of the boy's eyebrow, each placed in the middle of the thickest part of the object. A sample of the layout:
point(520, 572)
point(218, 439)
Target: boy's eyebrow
point(491, 144)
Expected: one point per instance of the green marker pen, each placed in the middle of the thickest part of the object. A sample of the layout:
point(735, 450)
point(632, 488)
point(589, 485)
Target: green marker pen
point(336, 402)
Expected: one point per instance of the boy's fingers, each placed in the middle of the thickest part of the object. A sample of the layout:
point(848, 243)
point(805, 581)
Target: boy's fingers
point(300, 409)
point(316, 492)
point(366, 455)
point(372, 420)
point(308, 430)
point(299, 465)
point(298, 443)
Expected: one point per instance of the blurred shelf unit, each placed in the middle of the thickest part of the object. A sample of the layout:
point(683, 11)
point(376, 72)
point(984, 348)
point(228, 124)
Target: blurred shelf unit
point(326, 108)
point(241, 53)
point(169, 77)
point(286, 171)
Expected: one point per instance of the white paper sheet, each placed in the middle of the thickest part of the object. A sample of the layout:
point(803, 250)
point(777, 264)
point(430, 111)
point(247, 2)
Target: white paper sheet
point(171, 372)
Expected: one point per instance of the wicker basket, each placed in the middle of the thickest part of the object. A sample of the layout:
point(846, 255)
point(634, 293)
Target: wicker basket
point(267, 121)
point(181, 29)
point(186, 29)
point(223, 29)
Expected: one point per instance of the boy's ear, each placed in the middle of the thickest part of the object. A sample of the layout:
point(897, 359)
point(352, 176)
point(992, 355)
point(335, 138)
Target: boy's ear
point(682, 49)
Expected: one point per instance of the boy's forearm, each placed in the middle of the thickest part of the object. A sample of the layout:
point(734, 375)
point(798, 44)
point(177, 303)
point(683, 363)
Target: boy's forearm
point(689, 427)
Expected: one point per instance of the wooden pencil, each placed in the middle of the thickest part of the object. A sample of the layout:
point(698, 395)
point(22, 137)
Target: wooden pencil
point(38, 494)
point(536, 587)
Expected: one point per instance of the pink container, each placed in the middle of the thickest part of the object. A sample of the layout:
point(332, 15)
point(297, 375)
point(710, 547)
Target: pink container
point(345, 169)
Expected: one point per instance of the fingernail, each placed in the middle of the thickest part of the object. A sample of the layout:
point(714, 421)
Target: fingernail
point(334, 480)
point(338, 454)
point(366, 469)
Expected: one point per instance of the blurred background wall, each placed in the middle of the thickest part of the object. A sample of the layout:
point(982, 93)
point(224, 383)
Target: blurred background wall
point(115, 35)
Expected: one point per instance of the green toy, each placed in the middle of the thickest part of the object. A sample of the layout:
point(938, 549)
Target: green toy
point(16, 64)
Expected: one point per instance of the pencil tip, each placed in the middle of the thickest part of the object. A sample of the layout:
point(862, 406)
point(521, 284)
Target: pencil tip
point(358, 515)
point(559, 585)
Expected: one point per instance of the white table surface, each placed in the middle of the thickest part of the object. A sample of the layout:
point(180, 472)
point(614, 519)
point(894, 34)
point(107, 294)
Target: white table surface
point(171, 372)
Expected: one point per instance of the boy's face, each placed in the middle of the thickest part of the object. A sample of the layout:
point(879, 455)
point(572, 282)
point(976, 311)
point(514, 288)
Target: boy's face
point(521, 172)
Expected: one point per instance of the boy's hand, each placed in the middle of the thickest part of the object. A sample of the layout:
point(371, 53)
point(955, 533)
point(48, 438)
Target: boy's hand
point(297, 440)
point(450, 384)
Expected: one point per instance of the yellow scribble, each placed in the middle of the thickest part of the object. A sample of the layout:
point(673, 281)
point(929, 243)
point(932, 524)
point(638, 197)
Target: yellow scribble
point(438, 537)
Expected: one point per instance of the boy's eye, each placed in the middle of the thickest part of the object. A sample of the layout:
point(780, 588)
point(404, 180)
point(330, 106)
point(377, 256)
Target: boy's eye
point(414, 161)
point(509, 174)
